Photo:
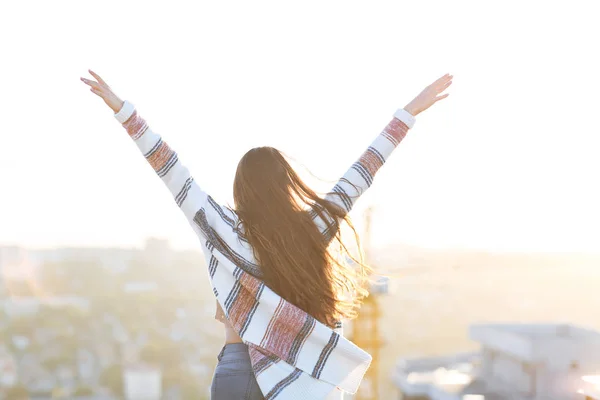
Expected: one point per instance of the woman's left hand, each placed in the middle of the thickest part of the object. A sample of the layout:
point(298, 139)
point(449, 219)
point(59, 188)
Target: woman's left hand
point(429, 96)
point(100, 88)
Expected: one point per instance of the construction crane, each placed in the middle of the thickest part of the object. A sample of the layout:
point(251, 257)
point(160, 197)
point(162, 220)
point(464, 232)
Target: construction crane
point(365, 328)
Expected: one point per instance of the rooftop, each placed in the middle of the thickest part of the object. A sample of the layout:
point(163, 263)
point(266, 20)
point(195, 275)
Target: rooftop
point(548, 353)
point(534, 343)
point(437, 377)
point(590, 387)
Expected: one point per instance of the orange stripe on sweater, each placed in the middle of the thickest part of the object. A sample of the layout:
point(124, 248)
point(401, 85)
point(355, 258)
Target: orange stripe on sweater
point(397, 129)
point(135, 125)
point(160, 157)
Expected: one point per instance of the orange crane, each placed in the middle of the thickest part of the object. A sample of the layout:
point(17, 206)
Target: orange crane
point(365, 328)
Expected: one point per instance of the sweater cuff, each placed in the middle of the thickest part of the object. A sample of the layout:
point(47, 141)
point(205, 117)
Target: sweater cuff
point(125, 112)
point(405, 117)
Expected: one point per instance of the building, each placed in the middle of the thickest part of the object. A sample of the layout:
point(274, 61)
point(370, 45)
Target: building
point(140, 287)
point(142, 382)
point(22, 306)
point(590, 387)
point(8, 368)
point(592, 395)
point(111, 258)
point(15, 263)
point(516, 362)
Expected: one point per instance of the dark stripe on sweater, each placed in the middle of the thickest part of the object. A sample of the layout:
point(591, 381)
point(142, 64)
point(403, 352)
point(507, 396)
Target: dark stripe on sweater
point(358, 167)
point(223, 247)
point(343, 197)
point(378, 154)
point(325, 353)
point(233, 294)
point(357, 189)
point(264, 363)
point(226, 218)
point(153, 149)
point(212, 266)
point(235, 291)
point(165, 170)
point(182, 195)
point(283, 384)
point(220, 211)
point(209, 246)
point(307, 328)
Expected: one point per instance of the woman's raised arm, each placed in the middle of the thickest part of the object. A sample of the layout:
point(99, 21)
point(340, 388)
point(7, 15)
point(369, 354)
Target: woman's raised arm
point(204, 215)
point(361, 174)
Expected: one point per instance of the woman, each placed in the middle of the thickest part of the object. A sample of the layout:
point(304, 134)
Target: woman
point(280, 287)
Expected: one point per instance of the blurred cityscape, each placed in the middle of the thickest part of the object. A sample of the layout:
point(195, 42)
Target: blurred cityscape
point(84, 322)
point(79, 321)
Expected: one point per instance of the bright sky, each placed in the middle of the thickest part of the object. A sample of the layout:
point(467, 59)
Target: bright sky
point(509, 161)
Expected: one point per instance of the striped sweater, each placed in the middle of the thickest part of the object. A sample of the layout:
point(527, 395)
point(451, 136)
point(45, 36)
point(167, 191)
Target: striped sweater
point(293, 355)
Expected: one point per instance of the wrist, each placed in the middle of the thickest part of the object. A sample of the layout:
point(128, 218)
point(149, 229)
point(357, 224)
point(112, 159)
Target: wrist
point(125, 112)
point(412, 111)
point(117, 105)
point(405, 116)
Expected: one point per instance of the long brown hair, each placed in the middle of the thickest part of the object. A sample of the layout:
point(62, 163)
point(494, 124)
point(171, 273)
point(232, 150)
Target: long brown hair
point(298, 262)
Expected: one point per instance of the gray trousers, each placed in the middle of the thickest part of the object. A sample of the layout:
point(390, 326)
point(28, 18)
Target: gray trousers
point(234, 378)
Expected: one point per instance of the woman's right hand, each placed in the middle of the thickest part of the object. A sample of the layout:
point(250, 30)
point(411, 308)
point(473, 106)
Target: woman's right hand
point(100, 88)
point(429, 96)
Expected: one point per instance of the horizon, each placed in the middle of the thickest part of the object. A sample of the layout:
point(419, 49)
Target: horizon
point(385, 247)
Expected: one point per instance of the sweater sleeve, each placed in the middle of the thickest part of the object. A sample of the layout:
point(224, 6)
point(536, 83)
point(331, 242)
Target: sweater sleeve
point(360, 176)
point(204, 215)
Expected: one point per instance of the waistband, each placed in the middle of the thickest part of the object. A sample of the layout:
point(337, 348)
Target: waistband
point(234, 348)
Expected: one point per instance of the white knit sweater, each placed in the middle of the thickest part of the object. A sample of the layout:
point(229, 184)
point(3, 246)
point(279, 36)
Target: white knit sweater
point(293, 355)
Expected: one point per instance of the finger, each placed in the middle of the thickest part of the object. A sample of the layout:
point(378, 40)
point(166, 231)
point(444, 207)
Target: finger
point(97, 92)
point(442, 80)
point(442, 97)
point(445, 86)
point(100, 80)
point(91, 83)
